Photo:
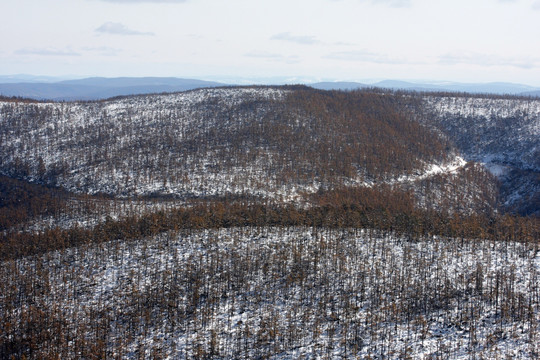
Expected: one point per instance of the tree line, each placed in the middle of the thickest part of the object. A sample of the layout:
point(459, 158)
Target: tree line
point(382, 208)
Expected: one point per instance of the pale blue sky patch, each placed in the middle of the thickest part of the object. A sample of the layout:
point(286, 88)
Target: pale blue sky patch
point(489, 60)
point(144, 1)
point(391, 3)
point(288, 59)
point(367, 56)
point(347, 40)
point(103, 50)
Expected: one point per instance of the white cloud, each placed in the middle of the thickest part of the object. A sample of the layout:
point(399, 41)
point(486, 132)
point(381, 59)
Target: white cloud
point(393, 3)
point(298, 39)
point(46, 52)
point(119, 29)
point(534, 4)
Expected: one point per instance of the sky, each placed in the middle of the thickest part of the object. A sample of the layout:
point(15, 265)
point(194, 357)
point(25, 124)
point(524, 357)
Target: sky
point(242, 40)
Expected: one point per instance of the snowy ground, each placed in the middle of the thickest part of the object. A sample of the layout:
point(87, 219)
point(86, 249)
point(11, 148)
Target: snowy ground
point(286, 293)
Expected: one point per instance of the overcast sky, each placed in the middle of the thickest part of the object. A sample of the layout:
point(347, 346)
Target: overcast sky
point(354, 40)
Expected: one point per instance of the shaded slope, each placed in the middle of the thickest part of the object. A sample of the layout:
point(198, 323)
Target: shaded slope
point(501, 132)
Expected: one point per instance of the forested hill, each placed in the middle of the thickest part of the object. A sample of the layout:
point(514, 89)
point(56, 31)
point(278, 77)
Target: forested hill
point(270, 222)
point(279, 144)
point(263, 141)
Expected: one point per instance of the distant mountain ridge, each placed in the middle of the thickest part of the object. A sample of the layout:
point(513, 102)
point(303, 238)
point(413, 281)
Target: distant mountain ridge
point(96, 88)
point(487, 88)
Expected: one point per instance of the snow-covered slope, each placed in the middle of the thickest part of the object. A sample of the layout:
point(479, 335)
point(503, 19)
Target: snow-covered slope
point(277, 293)
point(187, 283)
point(129, 146)
point(267, 142)
point(279, 143)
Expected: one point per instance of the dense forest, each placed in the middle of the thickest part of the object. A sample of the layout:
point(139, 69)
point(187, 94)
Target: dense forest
point(274, 292)
point(270, 222)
